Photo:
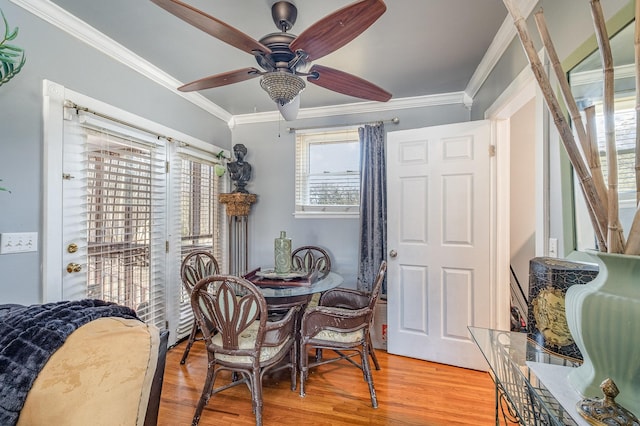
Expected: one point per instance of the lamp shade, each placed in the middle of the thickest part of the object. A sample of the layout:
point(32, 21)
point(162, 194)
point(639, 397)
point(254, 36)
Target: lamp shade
point(290, 111)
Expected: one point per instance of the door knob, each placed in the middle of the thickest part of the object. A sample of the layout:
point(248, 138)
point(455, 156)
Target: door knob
point(73, 267)
point(72, 248)
point(393, 253)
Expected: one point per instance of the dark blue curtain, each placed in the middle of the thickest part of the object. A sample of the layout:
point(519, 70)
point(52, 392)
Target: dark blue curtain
point(373, 205)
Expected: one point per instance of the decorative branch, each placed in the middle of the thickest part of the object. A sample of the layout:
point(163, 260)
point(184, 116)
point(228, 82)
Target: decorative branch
point(588, 142)
point(12, 58)
point(615, 237)
point(593, 152)
point(596, 209)
point(636, 45)
point(633, 240)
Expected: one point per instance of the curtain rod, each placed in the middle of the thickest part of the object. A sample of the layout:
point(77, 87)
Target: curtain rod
point(394, 120)
point(182, 144)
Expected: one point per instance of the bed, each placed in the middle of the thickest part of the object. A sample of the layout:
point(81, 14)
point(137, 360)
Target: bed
point(78, 363)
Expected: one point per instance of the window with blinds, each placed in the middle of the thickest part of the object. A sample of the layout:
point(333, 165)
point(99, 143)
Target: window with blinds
point(124, 220)
point(124, 198)
point(200, 219)
point(328, 172)
point(625, 135)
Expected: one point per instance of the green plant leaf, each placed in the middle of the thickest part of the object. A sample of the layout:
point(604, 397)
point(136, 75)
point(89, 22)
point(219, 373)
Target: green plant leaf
point(6, 25)
point(13, 35)
point(3, 188)
point(12, 58)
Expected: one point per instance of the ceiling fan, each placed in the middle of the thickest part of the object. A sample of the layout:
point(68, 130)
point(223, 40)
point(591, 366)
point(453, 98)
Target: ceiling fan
point(286, 58)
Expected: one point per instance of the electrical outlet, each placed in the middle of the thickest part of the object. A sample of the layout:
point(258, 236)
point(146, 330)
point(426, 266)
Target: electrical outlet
point(553, 247)
point(18, 242)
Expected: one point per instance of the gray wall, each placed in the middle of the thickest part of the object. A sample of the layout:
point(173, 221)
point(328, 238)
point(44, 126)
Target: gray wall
point(54, 55)
point(522, 192)
point(271, 151)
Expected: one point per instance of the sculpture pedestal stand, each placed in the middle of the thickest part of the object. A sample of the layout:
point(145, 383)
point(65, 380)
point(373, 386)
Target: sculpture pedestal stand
point(238, 207)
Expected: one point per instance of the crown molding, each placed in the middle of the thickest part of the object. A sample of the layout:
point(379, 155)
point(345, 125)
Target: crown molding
point(595, 76)
point(361, 108)
point(60, 18)
point(499, 45)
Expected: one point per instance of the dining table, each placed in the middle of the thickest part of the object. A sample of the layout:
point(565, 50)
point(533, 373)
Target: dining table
point(279, 292)
point(281, 295)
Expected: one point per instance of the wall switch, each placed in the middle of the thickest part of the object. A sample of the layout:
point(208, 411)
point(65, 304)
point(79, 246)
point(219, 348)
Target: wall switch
point(553, 247)
point(18, 242)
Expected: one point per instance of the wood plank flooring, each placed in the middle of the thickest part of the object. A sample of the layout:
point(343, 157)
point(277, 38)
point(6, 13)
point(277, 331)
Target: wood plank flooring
point(410, 392)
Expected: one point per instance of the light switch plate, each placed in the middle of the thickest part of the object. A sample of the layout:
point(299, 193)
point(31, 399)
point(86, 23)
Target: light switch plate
point(18, 242)
point(553, 247)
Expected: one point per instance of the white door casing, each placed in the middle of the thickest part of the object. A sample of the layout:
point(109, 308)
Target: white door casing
point(439, 225)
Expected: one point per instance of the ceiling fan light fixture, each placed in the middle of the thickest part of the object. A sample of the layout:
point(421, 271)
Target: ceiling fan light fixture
point(282, 87)
point(290, 111)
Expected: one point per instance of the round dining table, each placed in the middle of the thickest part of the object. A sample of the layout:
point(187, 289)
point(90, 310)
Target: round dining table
point(281, 298)
point(277, 294)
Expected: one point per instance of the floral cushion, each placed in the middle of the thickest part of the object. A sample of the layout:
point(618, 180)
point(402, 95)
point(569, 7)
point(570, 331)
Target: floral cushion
point(247, 340)
point(342, 337)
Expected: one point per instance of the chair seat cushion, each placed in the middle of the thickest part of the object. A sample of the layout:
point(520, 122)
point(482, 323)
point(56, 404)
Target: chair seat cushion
point(247, 340)
point(338, 336)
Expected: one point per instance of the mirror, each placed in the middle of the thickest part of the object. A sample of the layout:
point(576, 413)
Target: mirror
point(586, 84)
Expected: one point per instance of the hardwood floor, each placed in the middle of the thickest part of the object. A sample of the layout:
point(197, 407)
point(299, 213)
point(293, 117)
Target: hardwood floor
point(410, 392)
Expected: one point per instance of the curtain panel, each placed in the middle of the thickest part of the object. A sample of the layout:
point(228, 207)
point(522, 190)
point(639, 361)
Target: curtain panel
point(373, 205)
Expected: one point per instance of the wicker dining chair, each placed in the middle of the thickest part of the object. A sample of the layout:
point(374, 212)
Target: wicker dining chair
point(310, 259)
point(245, 342)
point(195, 266)
point(341, 323)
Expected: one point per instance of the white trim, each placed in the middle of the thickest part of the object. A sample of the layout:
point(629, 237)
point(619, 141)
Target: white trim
point(518, 93)
point(53, 128)
point(327, 215)
point(58, 17)
point(595, 76)
point(361, 107)
point(499, 45)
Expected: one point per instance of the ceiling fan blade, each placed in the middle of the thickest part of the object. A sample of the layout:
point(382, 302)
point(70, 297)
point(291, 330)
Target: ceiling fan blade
point(223, 79)
point(337, 29)
point(347, 84)
point(212, 26)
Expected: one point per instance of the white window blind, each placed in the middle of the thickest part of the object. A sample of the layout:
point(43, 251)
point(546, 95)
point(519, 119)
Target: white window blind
point(328, 172)
point(201, 220)
point(116, 197)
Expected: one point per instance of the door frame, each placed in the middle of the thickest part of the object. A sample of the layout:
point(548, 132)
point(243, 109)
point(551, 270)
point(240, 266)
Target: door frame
point(521, 90)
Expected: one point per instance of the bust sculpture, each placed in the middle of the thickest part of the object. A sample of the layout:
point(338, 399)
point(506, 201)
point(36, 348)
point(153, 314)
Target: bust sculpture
point(239, 170)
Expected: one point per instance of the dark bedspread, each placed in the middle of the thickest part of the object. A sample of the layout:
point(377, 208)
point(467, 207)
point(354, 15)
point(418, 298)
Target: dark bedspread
point(29, 335)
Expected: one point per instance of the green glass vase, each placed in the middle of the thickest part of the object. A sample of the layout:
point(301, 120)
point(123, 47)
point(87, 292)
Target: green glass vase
point(282, 251)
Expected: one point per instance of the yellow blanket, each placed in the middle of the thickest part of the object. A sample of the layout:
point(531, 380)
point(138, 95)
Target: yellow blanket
point(101, 376)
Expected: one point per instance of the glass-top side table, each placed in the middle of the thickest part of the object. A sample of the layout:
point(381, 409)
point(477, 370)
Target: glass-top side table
point(531, 384)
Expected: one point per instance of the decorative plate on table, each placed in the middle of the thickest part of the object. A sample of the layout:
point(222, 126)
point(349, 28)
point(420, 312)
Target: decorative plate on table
point(271, 274)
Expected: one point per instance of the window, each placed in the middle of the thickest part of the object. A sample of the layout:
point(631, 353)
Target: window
point(328, 173)
point(119, 186)
point(200, 218)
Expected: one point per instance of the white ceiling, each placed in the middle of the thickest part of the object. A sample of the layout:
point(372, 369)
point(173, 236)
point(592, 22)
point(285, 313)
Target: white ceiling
point(417, 47)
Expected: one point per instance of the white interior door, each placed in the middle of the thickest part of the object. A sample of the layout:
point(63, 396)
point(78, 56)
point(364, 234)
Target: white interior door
point(439, 237)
